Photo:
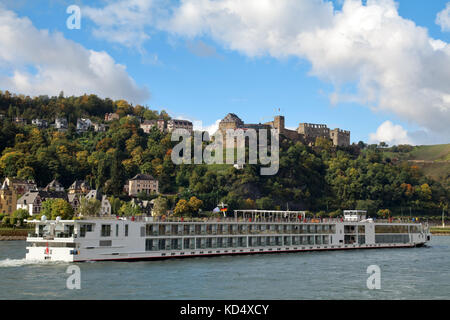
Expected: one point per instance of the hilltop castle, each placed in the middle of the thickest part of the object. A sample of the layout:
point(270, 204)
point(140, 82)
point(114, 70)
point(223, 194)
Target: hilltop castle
point(306, 132)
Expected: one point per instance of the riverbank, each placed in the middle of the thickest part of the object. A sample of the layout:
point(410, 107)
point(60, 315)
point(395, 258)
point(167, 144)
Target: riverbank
point(440, 231)
point(10, 234)
point(12, 238)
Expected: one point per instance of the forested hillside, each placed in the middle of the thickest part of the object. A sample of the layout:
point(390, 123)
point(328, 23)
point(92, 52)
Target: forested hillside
point(320, 178)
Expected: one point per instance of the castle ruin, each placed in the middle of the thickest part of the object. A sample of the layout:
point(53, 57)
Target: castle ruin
point(307, 133)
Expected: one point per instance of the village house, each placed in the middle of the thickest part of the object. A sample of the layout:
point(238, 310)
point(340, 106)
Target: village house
point(99, 127)
point(11, 190)
point(33, 199)
point(79, 187)
point(166, 126)
point(54, 185)
point(142, 183)
point(74, 200)
point(111, 116)
point(174, 124)
point(61, 124)
point(147, 125)
point(20, 121)
point(40, 123)
point(105, 207)
point(83, 125)
point(146, 206)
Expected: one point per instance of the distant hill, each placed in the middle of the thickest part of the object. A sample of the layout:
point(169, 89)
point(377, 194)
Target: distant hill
point(434, 160)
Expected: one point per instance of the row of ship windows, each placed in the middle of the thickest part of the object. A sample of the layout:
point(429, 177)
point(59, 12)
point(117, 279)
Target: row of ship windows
point(187, 229)
point(231, 242)
point(234, 242)
point(225, 229)
point(392, 238)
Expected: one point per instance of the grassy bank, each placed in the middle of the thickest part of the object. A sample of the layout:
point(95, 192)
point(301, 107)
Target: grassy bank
point(15, 232)
point(440, 231)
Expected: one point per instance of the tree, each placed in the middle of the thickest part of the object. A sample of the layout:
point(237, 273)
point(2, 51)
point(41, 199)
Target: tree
point(323, 144)
point(362, 145)
point(425, 191)
point(249, 204)
point(160, 206)
point(20, 215)
point(195, 204)
point(116, 203)
point(53, 208)
point(5, 220)
point(62, 209)
point(129, 209)
point(182, 207)
point(89, 207)
point(265, 203)
point(26, 173)
point(385, 213)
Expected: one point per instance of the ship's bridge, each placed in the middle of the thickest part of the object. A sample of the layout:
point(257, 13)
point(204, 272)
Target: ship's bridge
point(269, 215)
point(355, 215)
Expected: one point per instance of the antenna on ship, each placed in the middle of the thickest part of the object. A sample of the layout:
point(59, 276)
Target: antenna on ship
point(223, 208)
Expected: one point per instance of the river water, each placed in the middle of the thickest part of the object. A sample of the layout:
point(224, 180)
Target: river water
point(416, 273)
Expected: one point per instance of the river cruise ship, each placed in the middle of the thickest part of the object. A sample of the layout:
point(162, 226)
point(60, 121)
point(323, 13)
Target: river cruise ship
point(248, 232)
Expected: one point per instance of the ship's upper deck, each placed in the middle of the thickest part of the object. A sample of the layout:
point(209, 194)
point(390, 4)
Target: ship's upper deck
point(241, 216)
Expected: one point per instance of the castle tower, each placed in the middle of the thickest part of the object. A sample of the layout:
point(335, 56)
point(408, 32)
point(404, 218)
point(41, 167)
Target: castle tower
point(6, 199)
point(278, 123)
point(231, 121)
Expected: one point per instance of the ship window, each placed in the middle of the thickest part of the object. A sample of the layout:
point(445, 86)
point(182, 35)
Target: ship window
point(82, 231)
point(117, 230)
point(126, 230)
point(391, 229)
point(361, 239)
point(106, 230)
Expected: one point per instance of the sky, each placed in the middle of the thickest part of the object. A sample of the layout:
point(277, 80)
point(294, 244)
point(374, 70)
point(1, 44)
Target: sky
point(378, 68)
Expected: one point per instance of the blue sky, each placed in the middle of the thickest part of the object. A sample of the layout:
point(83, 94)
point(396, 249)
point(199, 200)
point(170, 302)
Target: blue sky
point(203, 73)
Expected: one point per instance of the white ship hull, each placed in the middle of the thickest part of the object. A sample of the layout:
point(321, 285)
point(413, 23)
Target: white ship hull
point(114, 239)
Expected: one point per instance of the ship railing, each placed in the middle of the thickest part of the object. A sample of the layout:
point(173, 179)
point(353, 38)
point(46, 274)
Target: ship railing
point(233, 220)
point(58, 235)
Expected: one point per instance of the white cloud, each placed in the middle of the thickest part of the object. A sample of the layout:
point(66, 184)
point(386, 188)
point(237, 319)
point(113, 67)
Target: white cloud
point(391, 134)
point(39, 62)
point(213, 127)
point(253, 27)
point(443, 18)
point(394, 64)
point(125, 21)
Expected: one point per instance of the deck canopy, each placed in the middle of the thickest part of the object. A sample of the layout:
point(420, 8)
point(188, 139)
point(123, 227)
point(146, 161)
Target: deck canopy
point(354, 215)
point(269, 215)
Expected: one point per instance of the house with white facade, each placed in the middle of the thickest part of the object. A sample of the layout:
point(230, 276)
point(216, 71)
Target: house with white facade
point(33, 199)
point(105, 208)
point(83, 125)
point(61, 124)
